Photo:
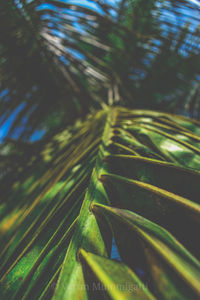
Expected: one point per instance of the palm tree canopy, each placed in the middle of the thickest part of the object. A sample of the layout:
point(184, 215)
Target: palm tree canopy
point(60, 59)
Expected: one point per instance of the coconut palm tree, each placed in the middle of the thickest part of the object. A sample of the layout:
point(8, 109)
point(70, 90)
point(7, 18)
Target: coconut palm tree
point(105, 204)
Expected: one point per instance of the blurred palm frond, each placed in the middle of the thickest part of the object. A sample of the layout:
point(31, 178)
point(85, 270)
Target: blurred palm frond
point(61, 59)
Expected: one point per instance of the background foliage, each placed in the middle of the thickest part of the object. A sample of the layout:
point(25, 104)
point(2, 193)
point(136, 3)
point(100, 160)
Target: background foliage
point(61, 59)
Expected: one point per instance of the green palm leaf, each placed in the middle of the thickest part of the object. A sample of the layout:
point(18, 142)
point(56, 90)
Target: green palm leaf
point(128, 176)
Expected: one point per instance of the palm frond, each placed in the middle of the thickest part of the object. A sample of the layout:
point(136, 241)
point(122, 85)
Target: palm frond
point(44, 79)
point(129, 176)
